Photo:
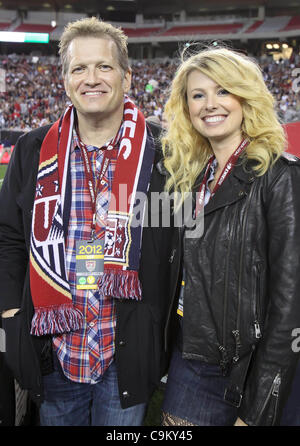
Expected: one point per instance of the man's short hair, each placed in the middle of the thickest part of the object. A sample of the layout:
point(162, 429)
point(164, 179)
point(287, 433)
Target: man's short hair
point(92, 27)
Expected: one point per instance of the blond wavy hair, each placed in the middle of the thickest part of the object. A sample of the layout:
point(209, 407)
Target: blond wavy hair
point(186, 152)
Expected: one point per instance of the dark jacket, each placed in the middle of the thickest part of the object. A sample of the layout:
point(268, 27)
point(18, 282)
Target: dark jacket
point(242, 287)
point(141, 355)
point(7, 393)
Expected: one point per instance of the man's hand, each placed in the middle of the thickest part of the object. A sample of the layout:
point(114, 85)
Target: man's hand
point(9, 313)
point(240, 422)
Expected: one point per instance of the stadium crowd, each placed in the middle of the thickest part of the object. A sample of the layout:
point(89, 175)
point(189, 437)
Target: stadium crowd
point(35, 94)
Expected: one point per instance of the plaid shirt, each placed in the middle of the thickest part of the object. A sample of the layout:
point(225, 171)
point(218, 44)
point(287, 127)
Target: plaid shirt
point(86, 354)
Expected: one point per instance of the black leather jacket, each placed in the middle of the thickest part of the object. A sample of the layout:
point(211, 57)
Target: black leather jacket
point(242, 287)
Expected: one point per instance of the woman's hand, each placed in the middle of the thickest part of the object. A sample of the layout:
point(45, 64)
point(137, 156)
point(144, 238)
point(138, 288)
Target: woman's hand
point(240, 422)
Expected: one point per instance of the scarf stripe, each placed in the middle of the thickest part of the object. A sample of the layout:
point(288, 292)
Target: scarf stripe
point(65, 138)
point(122, 243)
point(52, 299)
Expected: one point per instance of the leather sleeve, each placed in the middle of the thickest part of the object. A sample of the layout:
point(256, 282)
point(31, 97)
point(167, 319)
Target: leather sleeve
point(274, 361)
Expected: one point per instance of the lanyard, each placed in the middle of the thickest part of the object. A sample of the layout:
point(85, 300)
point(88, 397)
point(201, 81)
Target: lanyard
point(109, 153)
point(225, 172)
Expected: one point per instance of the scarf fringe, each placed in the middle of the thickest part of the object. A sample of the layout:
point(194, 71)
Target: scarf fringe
point(56, 320)
point(120, 284)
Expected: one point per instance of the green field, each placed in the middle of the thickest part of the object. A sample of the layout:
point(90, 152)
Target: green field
point(153, 416)
point(3, 168)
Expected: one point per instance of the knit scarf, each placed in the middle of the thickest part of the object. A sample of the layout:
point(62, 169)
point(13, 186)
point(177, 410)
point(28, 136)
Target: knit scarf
point(54, 312)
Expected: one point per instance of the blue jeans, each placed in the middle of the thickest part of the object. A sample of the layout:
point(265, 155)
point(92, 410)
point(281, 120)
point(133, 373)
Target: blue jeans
point(291, 411)
point(195, 392)
point(68, 403)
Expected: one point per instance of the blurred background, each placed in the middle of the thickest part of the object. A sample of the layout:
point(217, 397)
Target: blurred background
point(31, 87)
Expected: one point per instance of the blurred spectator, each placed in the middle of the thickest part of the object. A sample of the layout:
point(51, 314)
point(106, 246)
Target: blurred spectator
point(35, 95)
point(154, 119)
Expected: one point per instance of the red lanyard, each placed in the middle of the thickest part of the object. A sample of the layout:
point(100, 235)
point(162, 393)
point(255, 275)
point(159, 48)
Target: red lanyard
point(225, 172)
point(109, 153)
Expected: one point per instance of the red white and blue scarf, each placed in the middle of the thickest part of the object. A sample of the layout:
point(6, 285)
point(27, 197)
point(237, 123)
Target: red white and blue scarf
point(50, 290)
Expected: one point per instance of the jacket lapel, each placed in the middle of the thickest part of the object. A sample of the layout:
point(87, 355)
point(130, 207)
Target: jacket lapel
point(234, 188)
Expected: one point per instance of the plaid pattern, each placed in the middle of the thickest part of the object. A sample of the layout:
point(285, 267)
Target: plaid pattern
point(86, 354)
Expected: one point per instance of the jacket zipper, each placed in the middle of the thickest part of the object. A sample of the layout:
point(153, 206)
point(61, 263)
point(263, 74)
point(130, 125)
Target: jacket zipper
point(236, 332)
point(257, 329)
point(256, 323)
point(276, 385)
point(274, 391)
point(222, 347)
point(180, 231)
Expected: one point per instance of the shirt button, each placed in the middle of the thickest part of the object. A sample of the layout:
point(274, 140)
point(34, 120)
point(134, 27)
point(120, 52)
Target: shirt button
point(102, 182)
point(125, 394)
point(122, 343)
point(91, 324)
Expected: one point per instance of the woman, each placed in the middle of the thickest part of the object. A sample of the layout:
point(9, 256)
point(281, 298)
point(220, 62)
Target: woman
point(239, 300)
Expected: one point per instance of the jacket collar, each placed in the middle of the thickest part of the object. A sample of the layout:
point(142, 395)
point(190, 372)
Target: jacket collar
point(41, 132)
point(235, 187)
point(244, 171)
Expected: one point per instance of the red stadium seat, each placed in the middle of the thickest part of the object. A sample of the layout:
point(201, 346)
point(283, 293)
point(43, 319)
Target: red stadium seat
point(204, 29)
point(34, 28)
point(254, 26)
point(294, 23)
point(4, 26)
point(141, 32)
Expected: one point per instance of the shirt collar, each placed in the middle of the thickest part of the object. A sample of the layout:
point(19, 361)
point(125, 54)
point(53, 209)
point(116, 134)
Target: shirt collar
point(212, 170)
point(90, 148)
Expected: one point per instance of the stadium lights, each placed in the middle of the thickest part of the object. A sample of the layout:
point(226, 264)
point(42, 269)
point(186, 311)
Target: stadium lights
point(285, 45)
point(53, 23)
point(276, 46)
point(9, 36)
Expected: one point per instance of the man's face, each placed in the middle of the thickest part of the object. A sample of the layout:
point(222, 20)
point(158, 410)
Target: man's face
point(94, 81)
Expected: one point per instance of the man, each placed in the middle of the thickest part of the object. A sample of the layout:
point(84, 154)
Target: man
point(86, 335)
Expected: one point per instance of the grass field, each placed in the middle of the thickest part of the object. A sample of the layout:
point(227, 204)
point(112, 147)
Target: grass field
point(153, 416)
point(3, 168)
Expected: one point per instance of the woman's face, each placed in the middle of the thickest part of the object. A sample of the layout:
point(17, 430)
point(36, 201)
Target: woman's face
point(215, 113)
